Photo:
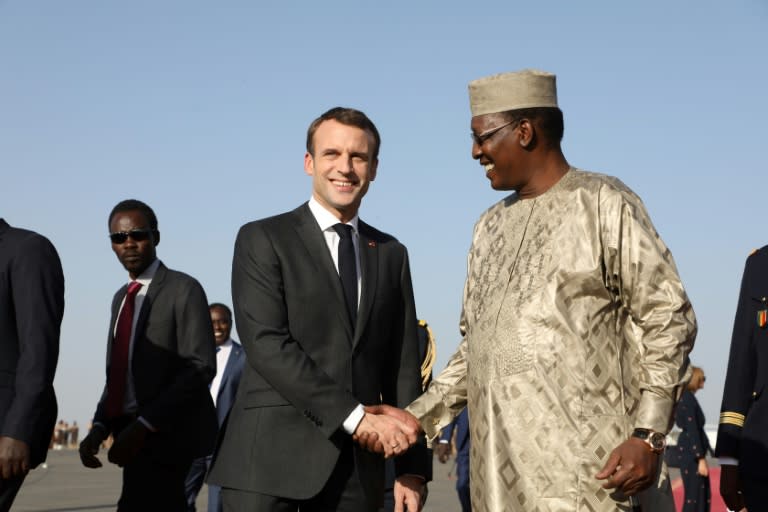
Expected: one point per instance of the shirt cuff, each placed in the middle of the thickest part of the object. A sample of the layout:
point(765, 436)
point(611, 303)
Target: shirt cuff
point(728, 461)
point(147, 424)
point(443, 441)
point(353, 420)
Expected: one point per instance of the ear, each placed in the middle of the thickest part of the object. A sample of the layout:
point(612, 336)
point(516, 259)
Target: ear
point(527, 132)
point(309, 164)
point(156, 237)
point(372, 169)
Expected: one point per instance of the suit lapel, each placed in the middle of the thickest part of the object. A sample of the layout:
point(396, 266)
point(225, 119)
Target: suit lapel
point(149, 298)
point(369, 266)
point(314, 242)
point(227, 368)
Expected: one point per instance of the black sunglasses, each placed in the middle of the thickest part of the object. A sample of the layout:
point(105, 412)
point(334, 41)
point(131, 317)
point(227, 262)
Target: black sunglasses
point(137, 235)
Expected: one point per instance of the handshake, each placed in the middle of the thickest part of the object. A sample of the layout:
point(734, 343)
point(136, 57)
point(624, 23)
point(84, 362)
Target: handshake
point(387, 430)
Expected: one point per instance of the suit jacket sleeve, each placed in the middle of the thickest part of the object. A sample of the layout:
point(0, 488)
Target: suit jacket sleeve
point(38, 299)
point(261, 315)
point(742, 367)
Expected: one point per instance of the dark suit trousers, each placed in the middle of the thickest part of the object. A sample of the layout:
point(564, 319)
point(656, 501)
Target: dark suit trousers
point(8, 491)
point(154, 480)
point(341, 493)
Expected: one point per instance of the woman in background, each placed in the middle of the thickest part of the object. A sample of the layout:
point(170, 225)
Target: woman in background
point(694, 447)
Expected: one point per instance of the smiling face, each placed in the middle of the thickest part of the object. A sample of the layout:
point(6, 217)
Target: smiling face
point(134, 255)
point(500, 153)
point(222, 324)
point(342, 167)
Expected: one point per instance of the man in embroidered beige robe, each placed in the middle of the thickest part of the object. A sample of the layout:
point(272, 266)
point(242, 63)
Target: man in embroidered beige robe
point(576, 327)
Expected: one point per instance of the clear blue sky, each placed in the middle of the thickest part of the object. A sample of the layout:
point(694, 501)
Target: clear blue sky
point(200, 109)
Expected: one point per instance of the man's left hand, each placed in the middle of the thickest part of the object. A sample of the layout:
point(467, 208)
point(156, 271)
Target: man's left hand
point(14, 457)
point(631, 467)
point(127, 444)
point(410, 493)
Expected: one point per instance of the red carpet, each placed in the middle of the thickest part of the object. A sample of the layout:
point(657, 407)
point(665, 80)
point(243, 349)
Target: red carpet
point(714, 482)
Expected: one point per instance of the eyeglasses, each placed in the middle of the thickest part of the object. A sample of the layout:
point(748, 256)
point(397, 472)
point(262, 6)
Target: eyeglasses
point(483, 137)
point(137, 235)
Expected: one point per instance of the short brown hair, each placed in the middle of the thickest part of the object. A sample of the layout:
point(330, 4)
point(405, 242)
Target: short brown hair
point(349, 117)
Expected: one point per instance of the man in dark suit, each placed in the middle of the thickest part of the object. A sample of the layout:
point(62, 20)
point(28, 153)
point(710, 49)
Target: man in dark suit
point(742, 437)
point(229, 367)
point(160, 359)
point(325, 312)
point(460, 425)
point(31, 308)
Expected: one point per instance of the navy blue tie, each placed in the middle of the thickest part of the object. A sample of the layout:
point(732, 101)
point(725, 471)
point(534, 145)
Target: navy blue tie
point(348, 269)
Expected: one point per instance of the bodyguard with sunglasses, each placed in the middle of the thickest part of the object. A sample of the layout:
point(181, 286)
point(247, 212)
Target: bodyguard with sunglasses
point(160, 359)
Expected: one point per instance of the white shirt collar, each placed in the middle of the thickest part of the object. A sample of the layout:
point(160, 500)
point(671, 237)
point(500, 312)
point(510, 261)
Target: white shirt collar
point(326, 219)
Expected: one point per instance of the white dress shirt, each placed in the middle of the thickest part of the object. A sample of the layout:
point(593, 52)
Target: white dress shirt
point(222, 356)
point(326, 220)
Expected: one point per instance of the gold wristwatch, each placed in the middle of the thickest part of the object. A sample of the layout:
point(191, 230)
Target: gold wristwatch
point(656, 441)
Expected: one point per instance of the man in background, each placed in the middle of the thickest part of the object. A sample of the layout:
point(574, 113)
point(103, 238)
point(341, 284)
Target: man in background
point(229, 366)
point(31, 309)
point(742, 437)
point(160, 359)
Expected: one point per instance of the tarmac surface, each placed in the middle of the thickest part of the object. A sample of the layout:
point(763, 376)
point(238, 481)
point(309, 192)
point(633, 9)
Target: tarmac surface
point(66, 486)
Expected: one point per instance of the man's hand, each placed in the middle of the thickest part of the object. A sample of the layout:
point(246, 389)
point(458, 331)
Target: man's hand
point(443, 451)
point(89, 447)
point(14, 457)
point(410, 493)
point(631, 467)
point(128, 443)
point(385, 434)
point(398, 414)
point(730, 487)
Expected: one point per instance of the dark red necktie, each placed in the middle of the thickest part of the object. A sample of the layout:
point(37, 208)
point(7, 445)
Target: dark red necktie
point(118, 365)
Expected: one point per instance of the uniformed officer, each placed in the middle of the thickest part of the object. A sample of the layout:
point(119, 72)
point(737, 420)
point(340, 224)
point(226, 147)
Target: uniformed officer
point(742, 438)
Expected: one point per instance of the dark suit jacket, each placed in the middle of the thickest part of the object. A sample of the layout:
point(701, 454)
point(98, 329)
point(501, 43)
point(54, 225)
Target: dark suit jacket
point(307, 366)
point(230, 381)
point(31, 308)
point(172, 363)
point(743, 431)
